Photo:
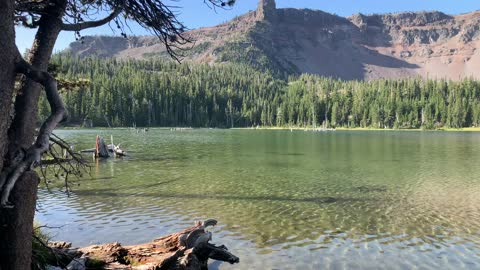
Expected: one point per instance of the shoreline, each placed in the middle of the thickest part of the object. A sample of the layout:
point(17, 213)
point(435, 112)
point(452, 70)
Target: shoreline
point(466, 129)
point(469, 129)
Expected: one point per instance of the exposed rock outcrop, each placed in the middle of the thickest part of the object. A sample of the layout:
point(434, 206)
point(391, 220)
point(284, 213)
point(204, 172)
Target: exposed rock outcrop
point(410, 44)
point(266, 10)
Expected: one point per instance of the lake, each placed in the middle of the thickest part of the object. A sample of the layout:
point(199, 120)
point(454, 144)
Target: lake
point(284, 200)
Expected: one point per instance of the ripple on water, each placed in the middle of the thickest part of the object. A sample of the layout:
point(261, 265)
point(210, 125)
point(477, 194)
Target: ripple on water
point(287, 201)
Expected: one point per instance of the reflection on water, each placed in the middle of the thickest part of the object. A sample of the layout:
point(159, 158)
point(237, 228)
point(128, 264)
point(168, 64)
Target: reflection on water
point(286, 200)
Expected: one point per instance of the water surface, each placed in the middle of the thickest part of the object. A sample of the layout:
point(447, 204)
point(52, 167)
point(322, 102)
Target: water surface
point(285, 200)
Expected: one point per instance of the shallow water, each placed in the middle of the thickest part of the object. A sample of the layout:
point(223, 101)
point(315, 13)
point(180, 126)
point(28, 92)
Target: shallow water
point(285, 200)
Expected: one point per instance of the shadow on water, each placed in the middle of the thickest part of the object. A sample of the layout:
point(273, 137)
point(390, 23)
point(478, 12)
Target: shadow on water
point(371, 189)
point(284, 154)
point(99, 178)
point(144, 159)
point(108, 193)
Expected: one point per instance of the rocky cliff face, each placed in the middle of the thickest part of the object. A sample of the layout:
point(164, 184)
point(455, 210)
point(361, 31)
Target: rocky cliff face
point(266, 10)
point(427, 44)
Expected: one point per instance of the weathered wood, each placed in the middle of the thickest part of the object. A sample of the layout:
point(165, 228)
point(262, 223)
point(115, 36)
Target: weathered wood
point(116, 150)
point(101, 149)
point(185, 250)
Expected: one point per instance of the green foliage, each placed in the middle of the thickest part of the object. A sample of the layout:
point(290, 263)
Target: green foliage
point(42, 255)
point(249, 49)
point(93, 263)
point(196, 49)
point(156, 92)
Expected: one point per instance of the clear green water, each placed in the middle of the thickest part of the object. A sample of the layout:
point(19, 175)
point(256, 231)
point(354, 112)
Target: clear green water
point(285, 200)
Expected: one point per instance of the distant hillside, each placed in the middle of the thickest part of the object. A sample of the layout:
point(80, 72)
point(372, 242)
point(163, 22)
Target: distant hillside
point(294, 41)
point(156, 92)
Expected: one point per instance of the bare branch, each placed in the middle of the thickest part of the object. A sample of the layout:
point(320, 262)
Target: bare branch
point(91, 24)
point(37, 6)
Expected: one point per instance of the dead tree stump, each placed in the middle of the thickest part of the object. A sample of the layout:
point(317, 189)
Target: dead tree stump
point(101, 149)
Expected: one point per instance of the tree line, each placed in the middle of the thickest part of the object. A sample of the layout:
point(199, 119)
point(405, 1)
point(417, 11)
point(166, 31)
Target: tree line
point(155, 92)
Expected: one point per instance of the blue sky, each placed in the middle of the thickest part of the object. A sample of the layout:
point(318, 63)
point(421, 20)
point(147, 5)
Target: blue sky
point(195, 13)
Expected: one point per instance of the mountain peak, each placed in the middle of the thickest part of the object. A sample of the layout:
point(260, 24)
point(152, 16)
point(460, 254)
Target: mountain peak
point(294, 41)
point(266, 9)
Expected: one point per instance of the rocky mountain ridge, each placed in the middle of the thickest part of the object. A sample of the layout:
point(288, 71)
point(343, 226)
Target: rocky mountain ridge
point(293, 41)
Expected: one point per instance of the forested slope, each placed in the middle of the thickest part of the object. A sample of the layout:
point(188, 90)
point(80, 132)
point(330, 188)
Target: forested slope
point(161, 93)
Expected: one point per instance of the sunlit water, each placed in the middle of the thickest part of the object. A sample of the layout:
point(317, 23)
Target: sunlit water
point(285, 200)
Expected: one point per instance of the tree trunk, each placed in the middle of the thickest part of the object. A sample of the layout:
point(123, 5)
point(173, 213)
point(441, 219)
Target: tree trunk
point(7, 73)
point(26, 103)
point(16, 224)
point(12, 234)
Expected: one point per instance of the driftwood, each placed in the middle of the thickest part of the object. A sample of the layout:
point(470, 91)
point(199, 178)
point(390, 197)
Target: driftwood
point(186, 250)
point(102, 150)
point(115, 149)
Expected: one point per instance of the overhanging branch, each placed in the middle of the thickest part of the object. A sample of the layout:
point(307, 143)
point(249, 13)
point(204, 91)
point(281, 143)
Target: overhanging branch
point(91, 24)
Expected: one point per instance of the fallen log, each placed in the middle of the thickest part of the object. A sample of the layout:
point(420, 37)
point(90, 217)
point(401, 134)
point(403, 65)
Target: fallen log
point(186, 250)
